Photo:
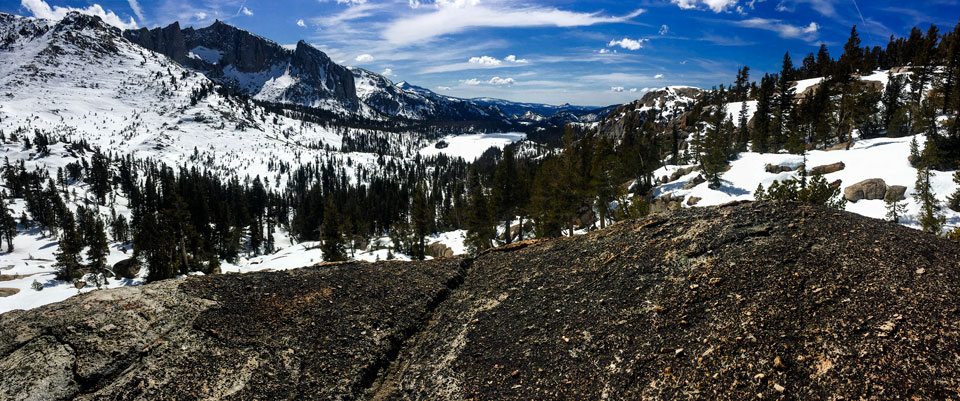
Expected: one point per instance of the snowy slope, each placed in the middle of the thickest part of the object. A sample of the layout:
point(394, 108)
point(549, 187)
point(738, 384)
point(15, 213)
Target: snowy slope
point(79, 79)
point(884, 158)
point(471, 147)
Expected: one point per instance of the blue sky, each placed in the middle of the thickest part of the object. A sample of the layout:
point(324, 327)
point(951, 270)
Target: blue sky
point(563, 51)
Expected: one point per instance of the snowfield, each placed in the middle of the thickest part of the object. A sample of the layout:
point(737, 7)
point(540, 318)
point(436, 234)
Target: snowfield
point(884, 158)
point(471, 147)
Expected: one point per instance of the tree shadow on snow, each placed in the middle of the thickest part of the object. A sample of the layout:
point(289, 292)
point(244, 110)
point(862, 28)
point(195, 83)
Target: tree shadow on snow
point(732, 190)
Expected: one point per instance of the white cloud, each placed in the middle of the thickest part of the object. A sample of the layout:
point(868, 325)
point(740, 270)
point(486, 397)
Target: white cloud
point(717, 6)
point(454, 16)
point(200, 16)
point(616, 88)
point(783, 29)
point(633, 89)
point(41, 9)
point(364, 58)
point(135, 6)
point(351, 2)
point(604, 51)
point(301, 24)
point(246, 11)
point(628, 43)
point(658, 76)
point(387, 72)
point(495, 81)
point(493, 61)
point(502, 81)
point(443, 88)
point(664, 29)
point(485, 60)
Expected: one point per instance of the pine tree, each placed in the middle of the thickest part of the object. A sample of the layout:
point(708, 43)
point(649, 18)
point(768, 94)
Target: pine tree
point(930, 218)
point(762, 122)
point(332, 247)
point(570, 182)
point(894, 114)
point(99, 177)
point(67, 262)
point(604, 179)
point(953, 201)
point(895, 209)
point(784, 103)
point(422, 219)
point(505, 183)
point(97, 254)
point(852, 59)
point(479, 224)
point(714, 160)
point(8, 225)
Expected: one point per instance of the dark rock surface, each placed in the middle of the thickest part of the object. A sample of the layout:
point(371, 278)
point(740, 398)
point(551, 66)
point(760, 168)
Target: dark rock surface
point(771, 300)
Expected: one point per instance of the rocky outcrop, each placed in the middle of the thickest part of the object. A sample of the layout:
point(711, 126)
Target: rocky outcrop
point(127, 268)
point(695, 181)
point(895, 193)
point(247, 63)
point(871, 189)
point(777, 169)
point(439, 250)
point(168, 41)
point(828, 168)
point(741, 301)
point(841, 146)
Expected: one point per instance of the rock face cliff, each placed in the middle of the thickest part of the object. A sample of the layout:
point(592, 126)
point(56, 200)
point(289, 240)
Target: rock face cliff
point(734, 302)
point(255, 66)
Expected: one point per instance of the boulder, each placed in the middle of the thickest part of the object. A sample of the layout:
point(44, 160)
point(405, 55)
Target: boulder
point(6, 292)
point(895, 193)
point(664, 204)
point(695, 181)
point(127, 268)
point(585, 216)
point(682, 172)
point(841, 146)
point(439, 250)
point(777, 169)
point(828, 168)
point(871, 189)
point(693, 200)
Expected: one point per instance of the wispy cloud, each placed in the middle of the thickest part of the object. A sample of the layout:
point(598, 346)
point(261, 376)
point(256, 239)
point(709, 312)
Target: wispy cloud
point(454, 16)
point(717, 6)
point(135, 6)
point(495, 81)
point(785, 30)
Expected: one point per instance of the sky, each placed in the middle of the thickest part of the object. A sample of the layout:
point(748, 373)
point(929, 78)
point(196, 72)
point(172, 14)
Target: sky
point(594, 53)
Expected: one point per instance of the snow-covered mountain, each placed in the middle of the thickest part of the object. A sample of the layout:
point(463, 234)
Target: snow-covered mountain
point(255, 66)
point(304, 75)
point(665, 104)
point(81, 79)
